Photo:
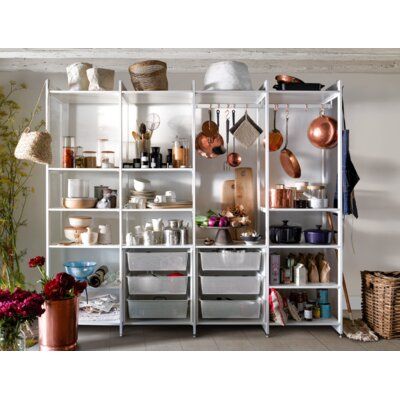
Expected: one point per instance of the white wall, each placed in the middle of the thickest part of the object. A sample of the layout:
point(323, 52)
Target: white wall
point(372, 106)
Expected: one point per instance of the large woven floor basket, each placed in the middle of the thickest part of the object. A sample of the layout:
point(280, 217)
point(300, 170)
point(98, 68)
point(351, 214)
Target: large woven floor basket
point(381, 302)
point(149, 75)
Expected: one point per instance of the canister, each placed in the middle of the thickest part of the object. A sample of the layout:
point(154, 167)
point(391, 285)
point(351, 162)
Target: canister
point(323, 297)
point(78, 188)
point(326, 310)
point(184, 235)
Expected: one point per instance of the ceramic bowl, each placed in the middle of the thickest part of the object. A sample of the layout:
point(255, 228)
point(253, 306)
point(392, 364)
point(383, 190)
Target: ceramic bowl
point(80, 221)
point(80, 270)
point(70, 232)
point(142, 185)
point(79, 202)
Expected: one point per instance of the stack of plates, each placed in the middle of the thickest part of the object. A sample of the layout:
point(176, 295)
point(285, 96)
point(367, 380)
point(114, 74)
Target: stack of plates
point(148, 195)
point(174, 204)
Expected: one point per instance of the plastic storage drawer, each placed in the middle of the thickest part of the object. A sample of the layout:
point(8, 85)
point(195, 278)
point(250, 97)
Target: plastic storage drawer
point(157, 284)
point(157, 261)
point(227, 260)
point(230, 284)
point(223, 309)
point(158, 308)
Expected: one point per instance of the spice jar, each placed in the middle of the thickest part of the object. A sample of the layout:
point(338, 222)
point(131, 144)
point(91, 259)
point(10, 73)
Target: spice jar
point(180, 153)
point(68, 152)
point(155, 158)
point(308, 312)
point(107, 159)
point(169, 159)
point(79, 160)
point(317, 311)
point(144, 160)
point(137, 163)
point(90, 159)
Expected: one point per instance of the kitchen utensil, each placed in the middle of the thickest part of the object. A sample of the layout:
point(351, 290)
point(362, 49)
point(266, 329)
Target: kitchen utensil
point(142, 185)
point(73, 234)
point(175, 223)
point(184, 235)
point(219, 150)
point(104, 234)
point(250, 238)
point(77, 76)
point(288, 160)
point(246, 130)
point(234, 159)
point(318, 236)
point(209, 128)
point(228, 194)
point(80, 221)
point(78, 188)
point(149, 75)
point(322, 132)
point(89, 237)
point(298, 86)
point(227, 75)
point(171, 236)
point(244, 192)
point(287, 79)
point(87, 202)
point(281, 198)
point(100, 78)
point(152, 122)
point(275, 136)
point(149, 238)
point(317, 203)
point(80, 269)
point(285, 234)
point(226, 166)
point(204, 145)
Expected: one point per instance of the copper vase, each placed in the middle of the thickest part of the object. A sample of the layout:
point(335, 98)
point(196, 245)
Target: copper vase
point(58, 326)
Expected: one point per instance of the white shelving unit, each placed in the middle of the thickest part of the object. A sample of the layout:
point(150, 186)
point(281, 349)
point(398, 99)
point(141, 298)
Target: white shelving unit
point(88, 115)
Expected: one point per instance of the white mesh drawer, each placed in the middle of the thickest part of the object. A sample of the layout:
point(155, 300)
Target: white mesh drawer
point(157, 308)
point(157, 261)
point(227, 260)
point(157, 284)
point(230, 284)
point(230, 309)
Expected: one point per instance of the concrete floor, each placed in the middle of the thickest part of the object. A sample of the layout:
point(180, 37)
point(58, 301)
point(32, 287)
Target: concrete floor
point(221, 338)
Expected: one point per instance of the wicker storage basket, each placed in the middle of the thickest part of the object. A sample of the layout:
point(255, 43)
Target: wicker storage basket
point(149, 75)
point(381, 302)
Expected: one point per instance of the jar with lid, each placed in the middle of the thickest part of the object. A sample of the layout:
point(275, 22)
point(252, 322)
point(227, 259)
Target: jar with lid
point(316, 191)
point(101, 146)
point(79, 160)
point(317, 311)
point(107, 159)
point(90, 159)
point(169, 159)
point(299, 200)
point(308, 312)
point(155, 158)
point(144, 160)
point(180, 152)
point(68, 152)
point(137, 163)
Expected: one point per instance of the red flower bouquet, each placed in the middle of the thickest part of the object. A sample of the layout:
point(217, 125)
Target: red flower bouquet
point(16, 308)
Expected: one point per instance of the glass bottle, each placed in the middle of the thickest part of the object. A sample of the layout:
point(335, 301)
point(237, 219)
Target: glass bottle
point(68, 152)
point(107, 159)
point(79, 160)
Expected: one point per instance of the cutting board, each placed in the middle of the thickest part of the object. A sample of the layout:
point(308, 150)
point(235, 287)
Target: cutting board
point(244, 192)
point(228, 194)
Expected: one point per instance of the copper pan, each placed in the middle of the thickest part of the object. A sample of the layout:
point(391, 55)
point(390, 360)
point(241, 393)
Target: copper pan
point(322, 132)
point(287, 79)
point(205, 145)
point(289, 161)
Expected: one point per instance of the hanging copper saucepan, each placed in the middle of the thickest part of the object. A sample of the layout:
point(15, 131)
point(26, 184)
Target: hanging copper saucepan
point(205, 144)
point(287, 79)
point(289, 161)
point(275, 136)
point(322, 132)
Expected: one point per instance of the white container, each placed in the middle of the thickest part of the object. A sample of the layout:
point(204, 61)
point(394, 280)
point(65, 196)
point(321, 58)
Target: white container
point(78, 188)
point(157, 261)
point(100, 78)
point(230, 308)
point(77, 77)
point(227, 75)
point(104, 234)
point(317, 203)
point(89, 238)
point(157, 284)
point(230, 284)
point(227, 260)
point(157, 308)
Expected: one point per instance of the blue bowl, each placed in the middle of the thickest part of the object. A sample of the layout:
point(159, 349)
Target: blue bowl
point(80, 270)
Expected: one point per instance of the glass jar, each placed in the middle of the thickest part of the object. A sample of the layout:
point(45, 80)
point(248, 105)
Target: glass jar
point(169, 159)
point(101, 146)
point(308, 312)
point(107, 159)
point(68, 152)
point(12, 337)
point(79, 160)
point(317, 311)
point(90, 159)
point(180, 153)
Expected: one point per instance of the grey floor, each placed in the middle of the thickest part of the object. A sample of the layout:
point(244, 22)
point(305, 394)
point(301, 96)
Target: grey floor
point(220, 338)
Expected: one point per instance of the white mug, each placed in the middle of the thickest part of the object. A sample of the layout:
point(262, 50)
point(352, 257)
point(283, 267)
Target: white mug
point(160, 198)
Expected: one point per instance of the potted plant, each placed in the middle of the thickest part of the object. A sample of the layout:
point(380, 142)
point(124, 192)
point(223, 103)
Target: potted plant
point(17, 308)
point(58, 326)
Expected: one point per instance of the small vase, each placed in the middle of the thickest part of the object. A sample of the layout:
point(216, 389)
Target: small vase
point(12, 337)
point(58, 326)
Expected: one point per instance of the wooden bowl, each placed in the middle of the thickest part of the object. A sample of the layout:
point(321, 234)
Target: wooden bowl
point(80, 221)
point(79, 202)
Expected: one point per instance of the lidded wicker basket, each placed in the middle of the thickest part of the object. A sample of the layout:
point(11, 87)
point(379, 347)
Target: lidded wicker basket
point(381, 302)
point(149, 75)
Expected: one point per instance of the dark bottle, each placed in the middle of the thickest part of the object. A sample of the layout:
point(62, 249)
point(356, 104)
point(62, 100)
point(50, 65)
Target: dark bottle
point(155, 158)
point(96, 279)
point(169, 159)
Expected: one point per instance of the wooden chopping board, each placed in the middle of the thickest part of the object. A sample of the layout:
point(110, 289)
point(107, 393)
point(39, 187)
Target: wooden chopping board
point(244, 192)
point(228, 194)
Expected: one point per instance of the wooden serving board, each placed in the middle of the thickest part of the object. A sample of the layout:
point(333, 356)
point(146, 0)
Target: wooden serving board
point(244, 192)
point(228, 194)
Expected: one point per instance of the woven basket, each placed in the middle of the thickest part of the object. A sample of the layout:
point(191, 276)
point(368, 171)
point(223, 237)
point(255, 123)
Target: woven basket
point(34, 146)
point(149, 75)
point(381, 302)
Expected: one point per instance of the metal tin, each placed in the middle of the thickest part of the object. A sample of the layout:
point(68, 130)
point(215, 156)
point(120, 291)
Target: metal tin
point(172, 237)
point(184, 233)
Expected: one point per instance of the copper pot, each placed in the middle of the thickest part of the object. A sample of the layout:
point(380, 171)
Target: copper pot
point(281, 198)
point(58, 326)
point(322, 132)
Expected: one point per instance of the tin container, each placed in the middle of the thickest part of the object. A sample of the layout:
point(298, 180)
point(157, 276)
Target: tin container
point(281, 198)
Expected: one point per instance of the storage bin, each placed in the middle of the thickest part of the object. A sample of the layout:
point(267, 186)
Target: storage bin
point(230, 284)
point(228, 260)
point(157, 261)
point(150, 284)
point(381, 302)
point(230, 308)
point(157, 308)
